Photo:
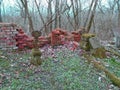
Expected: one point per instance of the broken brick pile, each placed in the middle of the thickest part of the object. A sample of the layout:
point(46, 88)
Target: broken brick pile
point(56, 37)
point(7, 33)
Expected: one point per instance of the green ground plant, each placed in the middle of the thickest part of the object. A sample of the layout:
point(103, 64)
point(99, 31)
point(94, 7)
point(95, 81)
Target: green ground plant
point(65, 71)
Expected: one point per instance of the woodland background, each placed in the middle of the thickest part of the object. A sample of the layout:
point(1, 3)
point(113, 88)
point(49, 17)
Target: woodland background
point(97, 16)
point(84, 65)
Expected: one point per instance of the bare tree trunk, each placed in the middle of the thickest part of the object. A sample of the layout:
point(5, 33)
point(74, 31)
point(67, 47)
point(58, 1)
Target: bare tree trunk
point(92, 16)
point(25, 5)
point(74, 20)
point(41, 17)
point(75, 8)
point(118, 6)
point(117, 36)
point(59, 17)
point(1, 10)
point(49, 10)
point(22, 11)
point(118, 41)
point(57, 13)
point(69, 19)
point(58, 9)
point(88, 15)
point(77, 14)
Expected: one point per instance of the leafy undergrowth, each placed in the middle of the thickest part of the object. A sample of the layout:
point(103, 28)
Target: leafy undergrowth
point(113, 65)
point(61, 69)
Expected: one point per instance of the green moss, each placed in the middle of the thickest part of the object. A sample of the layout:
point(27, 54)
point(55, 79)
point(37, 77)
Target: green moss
point(85, 43)
point(88, 46)
point(36, 60)
point(88, 35)
point(36, 57)
point(4, 63)
point(36, 52)
point(99, 53)
point(115, 80)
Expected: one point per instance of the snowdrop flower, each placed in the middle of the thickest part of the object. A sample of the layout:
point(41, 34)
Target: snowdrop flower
point(100, 78)
point(21, 58)
point(2, 56)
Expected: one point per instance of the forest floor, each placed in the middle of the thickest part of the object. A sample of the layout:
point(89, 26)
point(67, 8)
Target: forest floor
point(61, 69)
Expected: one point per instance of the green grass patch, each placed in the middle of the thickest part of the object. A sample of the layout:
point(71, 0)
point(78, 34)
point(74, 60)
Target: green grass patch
point(4, 63)
point(114, 65)
point(66, 71)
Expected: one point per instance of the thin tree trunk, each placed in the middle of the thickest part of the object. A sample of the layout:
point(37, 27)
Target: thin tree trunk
point(49, 10)
point(41, 17)
point(1, 10)
point(25, 5)
point(59, 17)
point(57, 13)
point(88, 15)
point(118, 6)
point(75, 13)
point(92, 16)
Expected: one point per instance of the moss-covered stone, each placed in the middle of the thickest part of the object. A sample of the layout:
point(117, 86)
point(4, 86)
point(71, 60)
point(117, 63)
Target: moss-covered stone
point(85, 43)
point(115, 80)
point(88, 35)
point(36, 60)
point(99, 53)
point(36, 52)
point(36, 56)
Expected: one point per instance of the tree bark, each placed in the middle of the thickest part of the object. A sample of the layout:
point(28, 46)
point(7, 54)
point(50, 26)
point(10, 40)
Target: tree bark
point(25, 5)
point(118, 36)
point(41, 17)
point(118, 6)
point(88, 15)
point(1, 10)
point(75, 9)
point(57, 13)
point(92, 16)
point(49, 13)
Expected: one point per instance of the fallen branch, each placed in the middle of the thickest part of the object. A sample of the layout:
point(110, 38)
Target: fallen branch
point(113, 50)
point(114, 79)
